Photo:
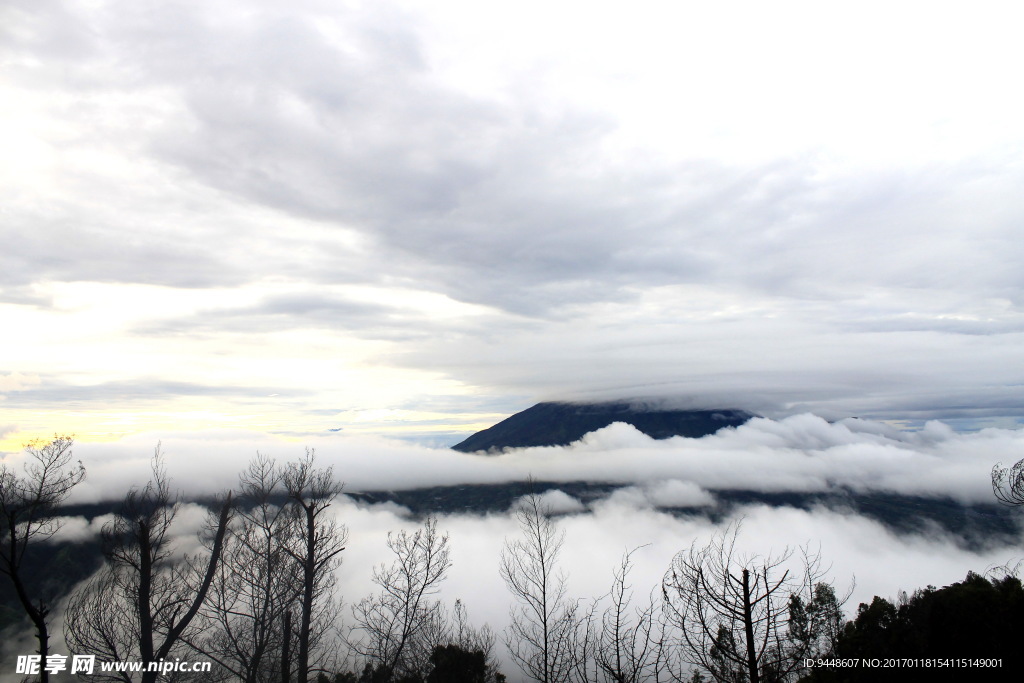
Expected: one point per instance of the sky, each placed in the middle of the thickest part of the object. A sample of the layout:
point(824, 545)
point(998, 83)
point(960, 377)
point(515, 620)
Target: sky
point(414, 219)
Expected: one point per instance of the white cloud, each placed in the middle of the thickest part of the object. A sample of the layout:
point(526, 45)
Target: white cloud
point(675, 493)
point(802, 453)
point(557, 502)
point(17, 381)
point(75, 529)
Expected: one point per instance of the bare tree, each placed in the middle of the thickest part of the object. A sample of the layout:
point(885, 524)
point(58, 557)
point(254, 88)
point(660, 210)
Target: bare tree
point(28, 513)
point(475, 640)
point(141, 603)
point(1008, 483)
point(401, 625)
point(625, 645)
point(256, 583)
point(319, 541)
point(543, 634)
point(100, 620)
point(734, 610)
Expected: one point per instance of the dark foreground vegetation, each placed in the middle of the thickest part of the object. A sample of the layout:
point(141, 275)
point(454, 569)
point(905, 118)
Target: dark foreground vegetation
point(254, 596)
point(969, 630)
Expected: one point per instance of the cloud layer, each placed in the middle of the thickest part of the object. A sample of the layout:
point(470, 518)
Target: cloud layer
point(802, 453)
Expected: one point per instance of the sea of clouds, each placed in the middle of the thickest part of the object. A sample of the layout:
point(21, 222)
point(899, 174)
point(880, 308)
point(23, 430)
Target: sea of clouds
point(803, 453)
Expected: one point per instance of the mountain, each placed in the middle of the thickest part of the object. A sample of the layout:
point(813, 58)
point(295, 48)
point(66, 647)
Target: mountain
point(559, 424)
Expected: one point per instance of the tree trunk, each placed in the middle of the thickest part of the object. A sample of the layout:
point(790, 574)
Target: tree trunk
point(38, 618)
point(286, 649)
point(309, 577)
point(748, 629)
point(144, 596)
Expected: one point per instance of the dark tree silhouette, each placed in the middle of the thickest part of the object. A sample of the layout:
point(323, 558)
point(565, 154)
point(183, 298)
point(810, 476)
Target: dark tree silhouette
point(28, 513)
point(244, 619)
point(402, 625)
point(1008, 483)
point(626, 643)
point(734, 611)
point(470, 639)
point(977, 618)
point(543, 636)
point(142, 602)
point(815, 623)
point(452, 664)
point(320, 539)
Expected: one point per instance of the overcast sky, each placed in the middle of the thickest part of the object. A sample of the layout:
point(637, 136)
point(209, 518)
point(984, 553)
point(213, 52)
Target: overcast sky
point(414, 219)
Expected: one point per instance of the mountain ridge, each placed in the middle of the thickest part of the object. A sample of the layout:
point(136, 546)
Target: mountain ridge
point(559, 423)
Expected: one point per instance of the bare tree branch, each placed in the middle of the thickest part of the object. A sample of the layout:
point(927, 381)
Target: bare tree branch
point(1008, 483)
point(744, 617)
point(320, 541)
point(142, 603)
point(543, 634)
point(625, 646)
point(243, 620)
point(401, 625)
point(28, 515)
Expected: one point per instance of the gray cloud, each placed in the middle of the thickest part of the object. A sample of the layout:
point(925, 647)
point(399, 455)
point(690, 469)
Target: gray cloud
point(52, 391)
point(305, 310)
point(515, 206)
point(189, 146)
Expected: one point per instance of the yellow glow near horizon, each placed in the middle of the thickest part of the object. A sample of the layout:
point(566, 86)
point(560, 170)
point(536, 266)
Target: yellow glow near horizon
point(124, 375)
point(110, 427)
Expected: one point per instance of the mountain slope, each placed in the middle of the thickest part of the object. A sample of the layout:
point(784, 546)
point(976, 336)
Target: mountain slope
point(559, 424)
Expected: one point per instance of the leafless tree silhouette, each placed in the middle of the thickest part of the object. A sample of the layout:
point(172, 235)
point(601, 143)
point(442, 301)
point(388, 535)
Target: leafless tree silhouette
point(320, 541)
point(543, 636)
point(140, 605)
point(734, 610)
point(256, 583)
point(626, 643)
point(401, 625)
point(28, 514)
point(1008, 483)
point(471, 639)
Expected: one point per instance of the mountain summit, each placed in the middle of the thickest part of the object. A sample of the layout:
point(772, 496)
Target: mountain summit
point(559, 424)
